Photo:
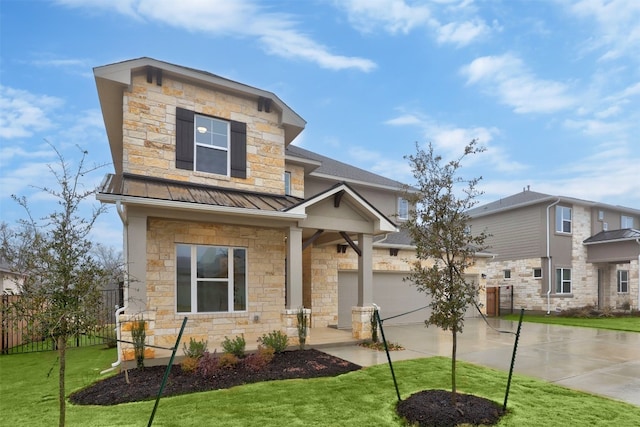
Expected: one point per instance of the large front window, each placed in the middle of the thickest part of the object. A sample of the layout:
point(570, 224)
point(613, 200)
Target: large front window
point(210, 279)
point(563, 280)
point(212, 145)
point(563, 219)
point(623, 281)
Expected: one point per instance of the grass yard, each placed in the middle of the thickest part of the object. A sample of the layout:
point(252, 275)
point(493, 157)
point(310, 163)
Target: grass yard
point(365, 397)
point(628, 324)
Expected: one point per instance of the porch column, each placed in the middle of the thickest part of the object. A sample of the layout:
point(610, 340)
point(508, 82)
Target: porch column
point(365, 270)
point(294, 268)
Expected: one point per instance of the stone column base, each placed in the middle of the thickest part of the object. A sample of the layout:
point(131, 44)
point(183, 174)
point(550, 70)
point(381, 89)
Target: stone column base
point(290, 324)
point(361, 322)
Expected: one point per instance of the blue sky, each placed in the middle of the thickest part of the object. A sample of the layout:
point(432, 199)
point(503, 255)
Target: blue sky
point(551, 88)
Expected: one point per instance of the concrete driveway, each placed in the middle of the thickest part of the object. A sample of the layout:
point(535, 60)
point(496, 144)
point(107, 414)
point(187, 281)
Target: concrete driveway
point(596, 361)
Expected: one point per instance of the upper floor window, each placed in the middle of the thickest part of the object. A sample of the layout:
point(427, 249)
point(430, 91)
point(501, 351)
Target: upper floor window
point(623, 281)
point(626, 221)
point(287, 183)
point(403, 208)
point(563, 219)
point(210, 279)
point(563, 280)
point(506, 274)
point(209, 144)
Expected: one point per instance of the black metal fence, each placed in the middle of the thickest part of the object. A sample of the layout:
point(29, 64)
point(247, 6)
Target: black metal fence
point(17, 336)
point(506, 300)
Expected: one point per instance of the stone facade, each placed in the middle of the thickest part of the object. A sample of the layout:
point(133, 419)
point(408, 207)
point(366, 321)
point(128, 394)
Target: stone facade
point(149, 140)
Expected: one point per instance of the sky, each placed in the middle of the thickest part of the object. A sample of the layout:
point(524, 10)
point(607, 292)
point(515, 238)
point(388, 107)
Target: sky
point(551, 88)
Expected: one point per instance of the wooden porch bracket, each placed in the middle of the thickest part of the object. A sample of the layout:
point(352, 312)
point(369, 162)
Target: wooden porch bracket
point(355, 247)
point(311, 239)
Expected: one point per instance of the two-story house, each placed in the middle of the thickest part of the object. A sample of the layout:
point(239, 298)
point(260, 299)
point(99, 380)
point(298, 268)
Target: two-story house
point(557, 252)
point(228, 223)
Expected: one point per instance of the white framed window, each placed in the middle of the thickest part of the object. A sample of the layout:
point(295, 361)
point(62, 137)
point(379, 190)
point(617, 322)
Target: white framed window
point(506, 274)
point(563, 280)
point(403, 208)
point(600, 215)
point(537, 273)
point(623, 281)
point(212, 145)
point(605, 226)
point(563, 219)
point(287, 183)
point(210, 279)
point(626, 221)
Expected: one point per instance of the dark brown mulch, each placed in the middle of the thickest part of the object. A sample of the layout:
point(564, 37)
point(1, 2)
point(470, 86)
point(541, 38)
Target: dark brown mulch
point(145, 383)
point(433, 408)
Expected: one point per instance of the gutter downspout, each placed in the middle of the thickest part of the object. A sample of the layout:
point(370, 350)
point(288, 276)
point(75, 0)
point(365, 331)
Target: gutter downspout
point(549, 257)
point(122, 309)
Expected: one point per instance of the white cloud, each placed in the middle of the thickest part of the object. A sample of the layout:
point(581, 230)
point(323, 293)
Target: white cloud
point(507, 77)
point(407, 119)
point(278, 32)
point(23, 113)
point(618, 26)
point(392, 15)
point(462, 33)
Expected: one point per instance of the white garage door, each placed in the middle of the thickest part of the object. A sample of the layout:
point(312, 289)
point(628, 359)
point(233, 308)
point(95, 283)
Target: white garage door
point(391, 293)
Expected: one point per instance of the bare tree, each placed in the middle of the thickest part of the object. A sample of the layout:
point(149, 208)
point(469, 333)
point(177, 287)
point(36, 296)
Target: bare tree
point(62, 282)
point(444, 244)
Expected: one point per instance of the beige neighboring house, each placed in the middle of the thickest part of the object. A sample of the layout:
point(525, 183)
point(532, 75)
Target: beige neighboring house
point(11, 280)
point(230, 224)
point(559, 252)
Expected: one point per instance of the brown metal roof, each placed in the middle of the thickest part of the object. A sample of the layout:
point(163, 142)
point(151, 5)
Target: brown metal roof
point(130, 185)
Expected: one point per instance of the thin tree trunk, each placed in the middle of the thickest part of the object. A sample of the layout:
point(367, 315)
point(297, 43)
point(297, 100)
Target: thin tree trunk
point(453, 366)
point(62, 349)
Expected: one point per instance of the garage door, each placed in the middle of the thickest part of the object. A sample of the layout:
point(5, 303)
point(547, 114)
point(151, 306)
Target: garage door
point(391, 293)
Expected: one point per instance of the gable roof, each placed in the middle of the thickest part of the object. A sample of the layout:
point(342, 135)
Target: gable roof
point(528, 198)
point(113, 79)
point(325, 167)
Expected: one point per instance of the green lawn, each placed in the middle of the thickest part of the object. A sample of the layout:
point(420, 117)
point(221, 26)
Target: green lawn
point(365, 397)
point(629, 324)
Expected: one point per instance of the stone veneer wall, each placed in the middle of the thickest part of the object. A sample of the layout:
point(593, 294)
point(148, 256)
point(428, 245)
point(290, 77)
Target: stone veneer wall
point(149, 126)
point(265, 282)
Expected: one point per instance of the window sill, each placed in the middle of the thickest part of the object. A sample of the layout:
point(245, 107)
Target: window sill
point(562, 295)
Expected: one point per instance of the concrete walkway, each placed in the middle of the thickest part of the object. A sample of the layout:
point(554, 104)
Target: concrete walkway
point(596, 361)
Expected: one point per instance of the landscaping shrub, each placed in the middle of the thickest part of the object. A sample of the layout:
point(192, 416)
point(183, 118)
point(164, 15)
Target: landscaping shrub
point(208, 364)
point(139, 335)
point(189, 364)
point(275, 340)
point(303, 324)
point(196, 349)
point(235, 346)
point(227, 360)
point(260, 359)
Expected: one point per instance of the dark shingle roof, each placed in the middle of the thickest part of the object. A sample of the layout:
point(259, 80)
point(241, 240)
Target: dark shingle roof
point(342, 171)
point(613, 236)
point(519, 199)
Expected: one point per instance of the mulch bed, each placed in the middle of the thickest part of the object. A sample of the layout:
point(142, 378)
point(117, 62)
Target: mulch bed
point(433, 408)
point(425, 408)
point(145, 383)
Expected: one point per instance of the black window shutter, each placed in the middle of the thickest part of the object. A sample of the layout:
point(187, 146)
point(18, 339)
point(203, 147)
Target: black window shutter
point(238, 149)
point(184, 138)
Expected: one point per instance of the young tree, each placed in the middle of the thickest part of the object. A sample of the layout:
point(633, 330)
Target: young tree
point(445, 247)
point(62, 281)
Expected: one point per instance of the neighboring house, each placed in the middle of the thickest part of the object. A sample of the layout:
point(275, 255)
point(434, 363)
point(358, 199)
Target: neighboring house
point(11, 281)
point(558, 252)
point(228, 223)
